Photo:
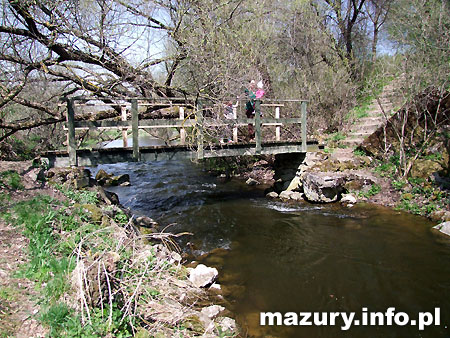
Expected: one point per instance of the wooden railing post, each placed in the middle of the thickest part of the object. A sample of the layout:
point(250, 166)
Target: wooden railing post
point(124, 130)
point(304, 113)
point(135, 129)
point(182, 131)
point(277, 128)
point(71, 142)
point(258, 127)
point(235, 128)
point(200, 137)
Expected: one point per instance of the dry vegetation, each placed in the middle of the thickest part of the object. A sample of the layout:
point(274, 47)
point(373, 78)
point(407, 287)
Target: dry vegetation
point(95, 274)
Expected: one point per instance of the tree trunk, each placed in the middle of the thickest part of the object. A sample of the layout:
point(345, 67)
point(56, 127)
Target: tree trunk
point(374, 43)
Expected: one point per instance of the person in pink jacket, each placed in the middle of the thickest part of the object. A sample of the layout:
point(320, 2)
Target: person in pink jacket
point(260, 92)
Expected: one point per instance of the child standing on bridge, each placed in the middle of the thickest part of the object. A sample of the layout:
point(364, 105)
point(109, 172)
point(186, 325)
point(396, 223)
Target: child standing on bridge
point(250, 105)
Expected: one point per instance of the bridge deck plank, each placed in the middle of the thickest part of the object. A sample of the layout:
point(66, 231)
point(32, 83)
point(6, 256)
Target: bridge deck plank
point(92, 157)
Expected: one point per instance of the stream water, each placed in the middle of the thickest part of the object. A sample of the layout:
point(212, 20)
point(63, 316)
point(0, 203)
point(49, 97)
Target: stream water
point(274, 256)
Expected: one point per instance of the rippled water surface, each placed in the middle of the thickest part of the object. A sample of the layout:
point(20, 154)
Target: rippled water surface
point(304, 257)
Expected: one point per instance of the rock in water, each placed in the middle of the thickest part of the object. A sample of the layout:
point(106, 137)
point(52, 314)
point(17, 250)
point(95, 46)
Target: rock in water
point(203, 276)
point(285, 195)
point(272, 194)
point(252, 182)
point(322, 187)
point(444, 228)
point(102, 176)
point(348, 198)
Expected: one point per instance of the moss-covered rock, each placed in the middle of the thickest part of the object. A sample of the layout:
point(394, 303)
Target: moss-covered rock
point(102, 177)
point(425, 168)
point(119, 180)
point(94, 211)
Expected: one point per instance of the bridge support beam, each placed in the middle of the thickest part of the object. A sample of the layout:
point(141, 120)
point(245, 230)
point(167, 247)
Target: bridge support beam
point(287, 167)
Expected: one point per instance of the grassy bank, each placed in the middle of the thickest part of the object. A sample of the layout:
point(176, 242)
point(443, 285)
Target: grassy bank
point(95, 274)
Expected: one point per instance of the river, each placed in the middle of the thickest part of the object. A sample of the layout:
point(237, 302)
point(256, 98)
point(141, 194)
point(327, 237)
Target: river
point(303, 257)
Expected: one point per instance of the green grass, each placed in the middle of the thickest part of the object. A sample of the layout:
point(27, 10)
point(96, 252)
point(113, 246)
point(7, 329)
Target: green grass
point(65, 322)
point(374, 190)
point(336, 137)
point(11, 180)
point(79, 196)
point(359, 152)
point(51, 260)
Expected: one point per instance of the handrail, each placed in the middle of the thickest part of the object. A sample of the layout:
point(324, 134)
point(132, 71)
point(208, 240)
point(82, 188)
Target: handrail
point(200, 122)
point(194, 99)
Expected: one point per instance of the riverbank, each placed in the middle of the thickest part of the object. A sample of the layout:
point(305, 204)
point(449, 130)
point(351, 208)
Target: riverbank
point(349, 176)
point(90, 265)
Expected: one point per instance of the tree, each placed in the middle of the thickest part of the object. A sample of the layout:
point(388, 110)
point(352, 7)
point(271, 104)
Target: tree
point(345, 15)
point(377, 11)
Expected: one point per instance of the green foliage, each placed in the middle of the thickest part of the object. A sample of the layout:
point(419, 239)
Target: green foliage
point(416, 180)
point(374, 189)
point(11, 179)
point(22, 150)
point(336, 137)
point(423, 198)
point(7, 293)
point(385, 169)
point(79, 196)
point(433, 157)
point(398, 184)
point(120, 217)
point(361, 110)
point(421, 27)
point(36, 217)
point(416, 209)
point(64, 322)
point(359, 152)
point(51, 262)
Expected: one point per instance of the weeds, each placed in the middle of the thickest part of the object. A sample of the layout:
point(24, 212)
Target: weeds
point(79, 196)
point(359, 152)
point(398, 184)
point(374, 190)
point(336, 137)
point(99, 279)
point(11, 180)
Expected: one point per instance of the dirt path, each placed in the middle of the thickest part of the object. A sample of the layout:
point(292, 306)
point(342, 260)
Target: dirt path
point(17, 295)
point(18, 298)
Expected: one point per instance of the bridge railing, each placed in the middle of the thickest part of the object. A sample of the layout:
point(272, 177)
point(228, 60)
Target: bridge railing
point(192, 114)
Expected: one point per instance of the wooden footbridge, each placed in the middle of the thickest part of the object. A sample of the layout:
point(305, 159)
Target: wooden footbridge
point(193, 124)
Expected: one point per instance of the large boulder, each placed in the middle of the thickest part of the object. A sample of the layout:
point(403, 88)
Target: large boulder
point(323, 187)
point(425, 168)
